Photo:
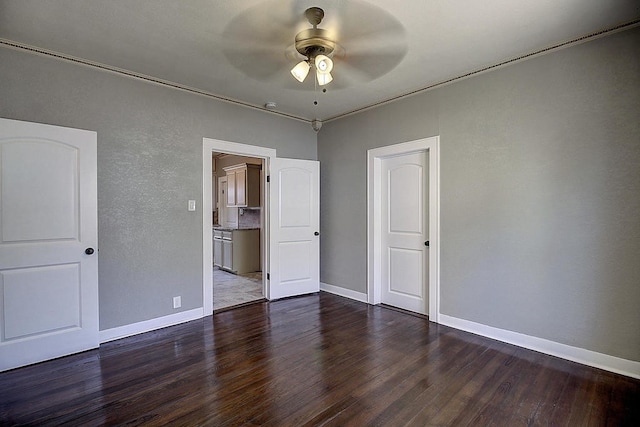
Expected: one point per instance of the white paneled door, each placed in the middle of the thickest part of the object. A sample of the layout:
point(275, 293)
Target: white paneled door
point(294, 253)
point(48, 242)
point(405, 221)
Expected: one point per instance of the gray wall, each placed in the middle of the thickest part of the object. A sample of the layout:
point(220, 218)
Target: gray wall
point(540, 193)
point(149, 165)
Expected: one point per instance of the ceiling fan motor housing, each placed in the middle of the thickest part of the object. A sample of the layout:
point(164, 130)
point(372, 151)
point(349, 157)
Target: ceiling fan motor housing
point(314, 41)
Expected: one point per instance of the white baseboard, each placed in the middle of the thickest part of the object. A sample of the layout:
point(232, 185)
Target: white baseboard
point(343, 292)
point(150, 325)
point(618, 365)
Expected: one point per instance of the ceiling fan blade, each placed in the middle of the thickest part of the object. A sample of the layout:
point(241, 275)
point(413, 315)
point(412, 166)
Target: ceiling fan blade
point(381, 38)
point(358, 22)
point(372, 42)
point(256, 40)
point(257, 61)
point(370, 66)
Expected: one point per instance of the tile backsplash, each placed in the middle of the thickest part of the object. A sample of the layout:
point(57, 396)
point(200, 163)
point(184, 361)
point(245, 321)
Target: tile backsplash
point(249, 218)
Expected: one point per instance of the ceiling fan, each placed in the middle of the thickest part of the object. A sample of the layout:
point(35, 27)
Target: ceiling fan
point(314, 43)
point(357, 42)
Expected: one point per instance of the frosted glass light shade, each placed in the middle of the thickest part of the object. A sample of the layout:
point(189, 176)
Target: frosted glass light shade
point(300, 71)
point(323, 78)
point(324, 64)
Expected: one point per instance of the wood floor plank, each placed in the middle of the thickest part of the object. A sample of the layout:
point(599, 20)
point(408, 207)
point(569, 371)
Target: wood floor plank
point(385, 399)
point(314, 360)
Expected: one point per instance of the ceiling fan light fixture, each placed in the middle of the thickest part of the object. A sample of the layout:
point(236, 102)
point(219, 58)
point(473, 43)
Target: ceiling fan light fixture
point(314, 44)
point(323, 64)
point(301, 70)
point(323, 78)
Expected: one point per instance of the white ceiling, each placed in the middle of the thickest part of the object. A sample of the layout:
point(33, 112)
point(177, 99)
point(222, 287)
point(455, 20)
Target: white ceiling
point(238, 49)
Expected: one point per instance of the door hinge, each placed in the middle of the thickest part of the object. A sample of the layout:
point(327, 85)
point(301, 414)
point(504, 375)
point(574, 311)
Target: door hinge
point(268, 276)
point(268, 178)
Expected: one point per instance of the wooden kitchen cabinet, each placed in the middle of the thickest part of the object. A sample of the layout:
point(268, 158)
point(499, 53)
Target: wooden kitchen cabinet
point(227, 255)
point(237, 251)
point(217, 248)
point(243, 185)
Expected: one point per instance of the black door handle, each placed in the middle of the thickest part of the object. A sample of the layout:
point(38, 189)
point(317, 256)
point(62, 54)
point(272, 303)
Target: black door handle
point(426, 243)
point(89, 251)
point(316, 233)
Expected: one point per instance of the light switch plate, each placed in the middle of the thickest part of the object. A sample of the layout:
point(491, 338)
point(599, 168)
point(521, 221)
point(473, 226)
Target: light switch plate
point(192, 205)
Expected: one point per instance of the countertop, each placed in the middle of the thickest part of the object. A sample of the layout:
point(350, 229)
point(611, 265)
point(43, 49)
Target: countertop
point(221, 228)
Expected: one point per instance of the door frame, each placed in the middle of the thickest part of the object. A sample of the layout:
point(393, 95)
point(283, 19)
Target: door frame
point(374, 222)
point(209, 146)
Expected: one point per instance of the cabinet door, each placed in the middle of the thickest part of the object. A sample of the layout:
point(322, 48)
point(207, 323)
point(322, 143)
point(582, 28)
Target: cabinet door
point(241, 187)
point(227, 254)
point(217, 252)
point(252, 186)
point(231, 189)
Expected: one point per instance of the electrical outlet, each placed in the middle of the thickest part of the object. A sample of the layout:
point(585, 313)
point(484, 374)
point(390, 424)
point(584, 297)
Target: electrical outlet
point(177, 302)
point(192, 205)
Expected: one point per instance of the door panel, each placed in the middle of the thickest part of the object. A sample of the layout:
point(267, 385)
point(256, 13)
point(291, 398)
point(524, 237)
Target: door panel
point(294, 256)
point(406, 198)
point(48, 217)
point(405, 230)
point(231, 189)
point(227, 254)
point(296, 262)
point(295, 199)
point(24, 194)
point(405, 270)
point(37, 300)
point(241, 187)
point(217, 252)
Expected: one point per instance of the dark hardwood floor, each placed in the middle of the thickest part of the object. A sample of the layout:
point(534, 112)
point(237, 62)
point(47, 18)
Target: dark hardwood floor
point(315, 360)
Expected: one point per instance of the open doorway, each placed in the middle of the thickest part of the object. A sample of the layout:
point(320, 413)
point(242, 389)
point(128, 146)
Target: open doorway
point(237, 229)
point(290, 242)
point(209, 147)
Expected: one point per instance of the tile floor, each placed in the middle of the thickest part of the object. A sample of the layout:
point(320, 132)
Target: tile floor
point(232, 289)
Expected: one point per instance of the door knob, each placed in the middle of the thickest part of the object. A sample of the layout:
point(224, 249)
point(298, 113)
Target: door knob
point(89, 251)
point(316, 233)
point(426, 243)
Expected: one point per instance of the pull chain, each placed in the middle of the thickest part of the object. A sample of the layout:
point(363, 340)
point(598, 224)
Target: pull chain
point(315, 89)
